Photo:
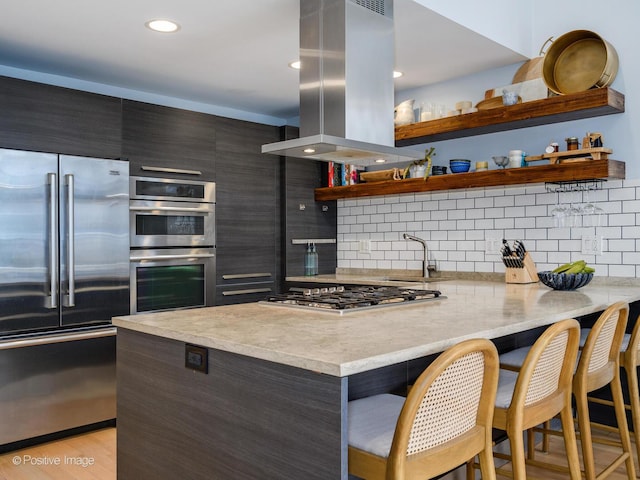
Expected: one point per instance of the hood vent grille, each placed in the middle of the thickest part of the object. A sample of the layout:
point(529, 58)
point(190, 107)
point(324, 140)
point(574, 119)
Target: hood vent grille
point(373, 5)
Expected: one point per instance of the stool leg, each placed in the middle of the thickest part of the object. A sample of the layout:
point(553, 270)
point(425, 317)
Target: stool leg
point(516, 443)
point(621, 418)
point(487, 466)
point(584, 424)
point(531, 451)
point(634, 400)
point(570, 443)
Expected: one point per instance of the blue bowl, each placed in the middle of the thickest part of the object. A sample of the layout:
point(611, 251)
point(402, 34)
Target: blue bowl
point(565, 281)
point(459, 166)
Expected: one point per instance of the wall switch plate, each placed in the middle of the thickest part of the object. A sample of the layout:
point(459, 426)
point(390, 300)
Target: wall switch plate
point(364, 246)
point(592, 245)
point(492, 245)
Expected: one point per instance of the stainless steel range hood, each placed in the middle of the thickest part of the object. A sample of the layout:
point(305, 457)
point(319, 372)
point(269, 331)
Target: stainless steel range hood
point(346, 84)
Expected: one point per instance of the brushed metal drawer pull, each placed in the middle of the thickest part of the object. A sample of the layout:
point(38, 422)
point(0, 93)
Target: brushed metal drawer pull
point(57, 338)
point(246, 292)
point(245, 275)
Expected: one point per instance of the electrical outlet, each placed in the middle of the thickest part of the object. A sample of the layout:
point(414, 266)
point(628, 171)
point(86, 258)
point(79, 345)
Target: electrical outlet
point(364, 246)
point(592, 245)
point(492, 245)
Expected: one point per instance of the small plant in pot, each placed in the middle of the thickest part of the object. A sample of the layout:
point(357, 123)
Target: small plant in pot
point(421, 167)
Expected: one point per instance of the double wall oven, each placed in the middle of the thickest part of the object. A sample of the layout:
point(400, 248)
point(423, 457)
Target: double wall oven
point(173, 238)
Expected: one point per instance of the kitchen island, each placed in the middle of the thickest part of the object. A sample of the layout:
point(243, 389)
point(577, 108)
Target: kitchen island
point(272, 403)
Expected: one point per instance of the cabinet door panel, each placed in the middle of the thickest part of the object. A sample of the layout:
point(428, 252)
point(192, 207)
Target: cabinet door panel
point(47, 118)
point(168, 138)
point(247, 208)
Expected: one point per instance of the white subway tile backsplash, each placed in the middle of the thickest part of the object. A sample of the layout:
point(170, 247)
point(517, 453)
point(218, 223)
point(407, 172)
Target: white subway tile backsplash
point(631, 206)
point(457, 223)
point(464, 204)
point(504, 201)
point(447, 204)
point(626, 193)
point(504, 223)
point(399, 207)
point(524, 222)
point(465, 224)
point(483, 202)
point(485, 224)
point(455, 214)
point(622, 219)
point(494, 213)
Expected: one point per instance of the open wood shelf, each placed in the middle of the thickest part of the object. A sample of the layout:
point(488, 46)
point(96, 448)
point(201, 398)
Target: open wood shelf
point(585, 170)
point(561, 108)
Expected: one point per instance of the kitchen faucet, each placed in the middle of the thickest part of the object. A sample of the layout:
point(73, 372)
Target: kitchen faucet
point(425, 261)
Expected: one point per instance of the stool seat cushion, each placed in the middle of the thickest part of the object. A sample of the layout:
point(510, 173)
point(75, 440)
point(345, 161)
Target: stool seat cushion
point(372, 422)
point(514, 358)
point(506, 384)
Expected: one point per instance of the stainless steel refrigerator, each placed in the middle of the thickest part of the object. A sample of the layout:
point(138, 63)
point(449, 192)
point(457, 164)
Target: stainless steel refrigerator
point(64, 273)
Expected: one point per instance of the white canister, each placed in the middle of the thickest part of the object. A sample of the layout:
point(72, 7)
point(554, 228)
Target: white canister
point(515, 158)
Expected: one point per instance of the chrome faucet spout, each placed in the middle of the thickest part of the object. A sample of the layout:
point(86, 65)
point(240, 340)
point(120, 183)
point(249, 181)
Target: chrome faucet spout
point(425, 258)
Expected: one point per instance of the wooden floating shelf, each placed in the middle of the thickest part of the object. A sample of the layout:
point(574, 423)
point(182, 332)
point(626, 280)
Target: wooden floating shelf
point(592, 103)
point(586, 170)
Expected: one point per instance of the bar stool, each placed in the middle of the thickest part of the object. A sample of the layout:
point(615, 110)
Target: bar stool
point(629, 361)
point(444, 422)
point(598, 366)
point(539, 391)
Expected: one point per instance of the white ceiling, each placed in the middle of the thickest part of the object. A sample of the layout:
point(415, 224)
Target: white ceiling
point(231, 53)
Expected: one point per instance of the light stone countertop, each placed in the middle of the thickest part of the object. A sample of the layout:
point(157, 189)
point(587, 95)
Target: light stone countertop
point(361, 340)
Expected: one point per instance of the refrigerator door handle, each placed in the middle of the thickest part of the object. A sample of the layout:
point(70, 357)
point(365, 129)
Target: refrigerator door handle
point(53, 240)
point(70, 300)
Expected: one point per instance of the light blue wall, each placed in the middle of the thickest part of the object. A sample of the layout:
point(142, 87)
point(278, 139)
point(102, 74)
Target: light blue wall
point(617, 22)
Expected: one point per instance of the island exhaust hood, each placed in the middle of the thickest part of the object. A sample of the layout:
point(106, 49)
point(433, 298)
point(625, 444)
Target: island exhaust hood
point(346, 84)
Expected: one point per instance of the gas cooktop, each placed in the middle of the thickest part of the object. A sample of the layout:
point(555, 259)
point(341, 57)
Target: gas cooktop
point(341, 299)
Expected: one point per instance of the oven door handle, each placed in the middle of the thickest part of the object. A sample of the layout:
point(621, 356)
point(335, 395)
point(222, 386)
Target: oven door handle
point(171, 257)
point(171, 209)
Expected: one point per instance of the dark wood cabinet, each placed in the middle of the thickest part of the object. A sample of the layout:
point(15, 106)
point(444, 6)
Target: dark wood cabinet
point(305, 217)
point(247, 212)
point(168, 142)
point(46, 118)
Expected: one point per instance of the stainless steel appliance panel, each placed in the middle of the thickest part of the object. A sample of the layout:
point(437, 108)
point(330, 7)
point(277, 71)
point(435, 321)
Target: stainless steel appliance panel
point(28, 250)
point(149, 188)
point(170, 279)
point(158, 223)
point(56, 382)
point(64, 240)
point(94, 239)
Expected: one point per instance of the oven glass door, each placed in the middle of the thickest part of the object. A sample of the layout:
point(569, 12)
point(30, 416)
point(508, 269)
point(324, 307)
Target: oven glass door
point(148, 188)
point(171, 279)
point(171, 224)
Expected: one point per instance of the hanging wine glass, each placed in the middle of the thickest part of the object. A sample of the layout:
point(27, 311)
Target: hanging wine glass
point(573, 215)
point(559, 213)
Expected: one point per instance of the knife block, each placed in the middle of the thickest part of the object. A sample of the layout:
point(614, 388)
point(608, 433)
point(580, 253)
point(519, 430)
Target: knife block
point(527, 274)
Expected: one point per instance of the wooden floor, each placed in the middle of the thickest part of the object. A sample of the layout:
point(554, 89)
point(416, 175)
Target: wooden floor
point(92, 456)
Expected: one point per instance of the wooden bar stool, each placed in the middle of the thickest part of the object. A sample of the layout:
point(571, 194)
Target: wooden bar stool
point(629, 361)
point(444, 422)
point(539, 391)
point(598, 366)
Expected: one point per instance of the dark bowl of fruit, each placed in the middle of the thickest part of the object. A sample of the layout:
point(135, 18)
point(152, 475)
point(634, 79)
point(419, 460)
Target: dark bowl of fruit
point(569, 276)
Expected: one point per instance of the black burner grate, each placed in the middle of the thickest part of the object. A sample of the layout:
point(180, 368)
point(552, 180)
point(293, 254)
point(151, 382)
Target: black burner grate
point(352, 296)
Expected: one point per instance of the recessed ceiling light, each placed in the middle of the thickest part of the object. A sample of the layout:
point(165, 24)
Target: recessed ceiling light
point(164, 26)
point(309, 150)
point(381, 160)
point(295, 64)
point(397, 74)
